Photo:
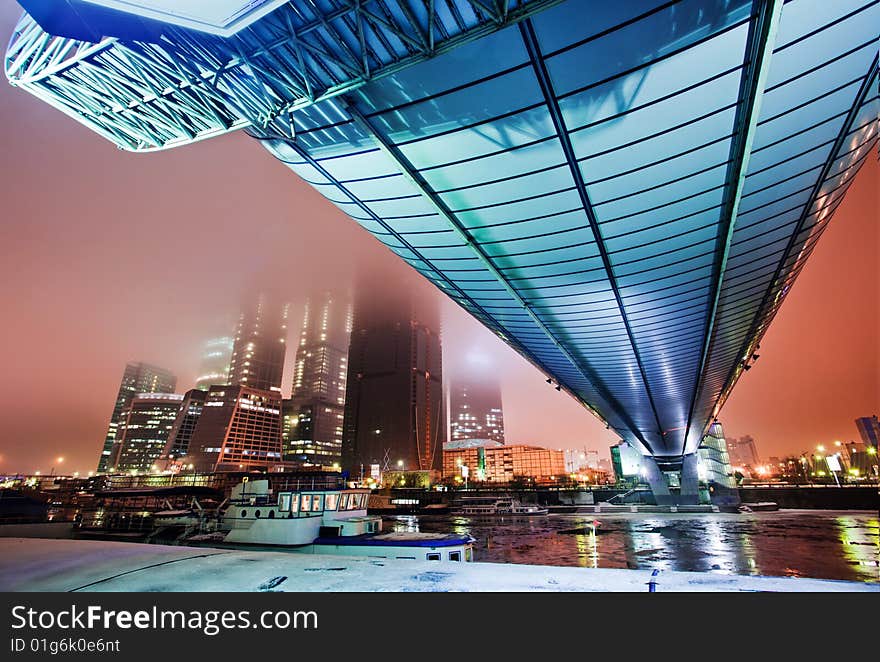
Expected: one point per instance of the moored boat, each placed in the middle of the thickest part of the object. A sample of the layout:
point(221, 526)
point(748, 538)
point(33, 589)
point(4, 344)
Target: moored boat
point(328, 521)
point(496, 507)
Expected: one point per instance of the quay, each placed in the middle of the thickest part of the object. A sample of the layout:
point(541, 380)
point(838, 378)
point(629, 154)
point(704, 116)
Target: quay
point(36, 565)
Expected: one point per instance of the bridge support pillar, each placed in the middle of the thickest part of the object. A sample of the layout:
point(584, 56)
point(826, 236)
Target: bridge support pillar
point(685, 475)
point(690, 481)
point(658, 482)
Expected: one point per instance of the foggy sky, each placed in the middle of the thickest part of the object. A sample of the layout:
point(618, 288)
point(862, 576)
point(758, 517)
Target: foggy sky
point(110, 257)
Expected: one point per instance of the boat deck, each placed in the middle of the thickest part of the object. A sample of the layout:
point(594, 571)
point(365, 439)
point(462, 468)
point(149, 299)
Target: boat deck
point(397, 539)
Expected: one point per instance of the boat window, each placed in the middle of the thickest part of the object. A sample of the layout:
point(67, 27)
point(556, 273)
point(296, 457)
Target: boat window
point(243, 513)
point(468, 554)
point(355, 502)
point(455, 556)
point(284, 501)
point(343, 502)
point(316, 503)
point(294, 503)
point(408, 558)
point(271, 514)
point(433, 556)
point(331, 502)
point(306, 502)
point(257, 514)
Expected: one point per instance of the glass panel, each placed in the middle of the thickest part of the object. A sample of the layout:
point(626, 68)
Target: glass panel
point(640, 42)
point(503, 134)
point(460, 66)
point(642, 173)
point(636, 97)
point(511, 189)
point(522, 160)
point(499, 95)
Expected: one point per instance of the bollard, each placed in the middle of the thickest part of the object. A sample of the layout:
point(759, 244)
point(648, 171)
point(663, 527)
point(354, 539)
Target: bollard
point(652, 585)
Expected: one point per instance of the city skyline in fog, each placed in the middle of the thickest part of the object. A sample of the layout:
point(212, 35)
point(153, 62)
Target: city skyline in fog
point(111, 257)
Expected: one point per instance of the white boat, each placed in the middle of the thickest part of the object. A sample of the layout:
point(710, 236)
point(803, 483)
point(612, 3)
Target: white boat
point(328, 521)
point(497, 506)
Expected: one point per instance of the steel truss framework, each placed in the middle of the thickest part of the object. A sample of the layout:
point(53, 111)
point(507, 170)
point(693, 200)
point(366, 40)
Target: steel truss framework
point(624, 192)
point(191, 85)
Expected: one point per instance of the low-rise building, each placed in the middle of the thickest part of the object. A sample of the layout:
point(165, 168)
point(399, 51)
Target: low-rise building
point(485, 460)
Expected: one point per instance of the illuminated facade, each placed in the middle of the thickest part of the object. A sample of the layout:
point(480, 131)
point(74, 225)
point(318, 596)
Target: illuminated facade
point(185, 424)
point(239, 428)
point(496, 463)
point(313, 416)
point(623, 192)
point(715, 470)
point(475, 407)
point(393, 403)
point(259, 346)
point(214, 367)
point(143, 433)
point(137, 378)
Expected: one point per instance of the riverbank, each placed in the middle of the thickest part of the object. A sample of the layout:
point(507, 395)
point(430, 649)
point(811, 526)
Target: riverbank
point(81, 565)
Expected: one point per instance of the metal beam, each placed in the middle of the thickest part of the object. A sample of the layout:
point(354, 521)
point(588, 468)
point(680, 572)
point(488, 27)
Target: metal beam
point(774, 295)
point(420, 184)
point(534, 49)
point(759, 48)
point(282, 62)
point(499, 327)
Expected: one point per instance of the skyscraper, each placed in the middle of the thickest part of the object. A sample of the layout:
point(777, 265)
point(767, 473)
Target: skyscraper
point(313, 416)
point(869, 430)
point(143, 433)
point(743, 452)
point(137, 378)
point(214, 367)
point(185, 424)
point(393, 401)
point(239, 428)
point(240, 424)
point(476, 409)
point(259, 345)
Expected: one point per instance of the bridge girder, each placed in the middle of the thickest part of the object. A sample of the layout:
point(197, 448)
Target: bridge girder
point(188, 85)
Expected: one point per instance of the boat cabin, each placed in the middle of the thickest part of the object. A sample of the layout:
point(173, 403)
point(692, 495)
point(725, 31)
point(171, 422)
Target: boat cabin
point(257, 516)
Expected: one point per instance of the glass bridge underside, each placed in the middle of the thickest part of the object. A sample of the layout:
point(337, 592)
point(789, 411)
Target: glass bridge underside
point(623, 192)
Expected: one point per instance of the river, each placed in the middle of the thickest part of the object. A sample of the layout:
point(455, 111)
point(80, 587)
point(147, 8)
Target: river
point(798, 543)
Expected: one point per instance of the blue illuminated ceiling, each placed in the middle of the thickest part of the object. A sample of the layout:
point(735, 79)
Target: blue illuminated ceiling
point(221, 17)
point(623, 192)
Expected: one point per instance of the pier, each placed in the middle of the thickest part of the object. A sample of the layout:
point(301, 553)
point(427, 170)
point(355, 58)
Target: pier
point(81, 565)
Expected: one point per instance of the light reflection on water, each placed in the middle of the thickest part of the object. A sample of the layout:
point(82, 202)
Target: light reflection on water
point(819, 544)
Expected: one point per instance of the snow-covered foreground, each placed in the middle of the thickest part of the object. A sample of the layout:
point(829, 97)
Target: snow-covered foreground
point(28, 564)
